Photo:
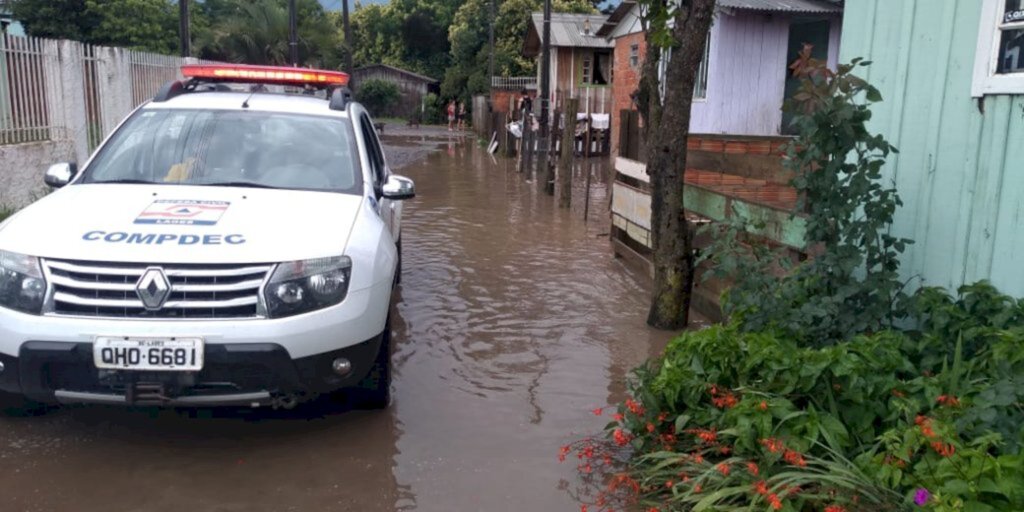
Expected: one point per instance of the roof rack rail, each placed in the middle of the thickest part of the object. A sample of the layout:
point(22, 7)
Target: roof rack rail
point(170, 90)
point(340, 98)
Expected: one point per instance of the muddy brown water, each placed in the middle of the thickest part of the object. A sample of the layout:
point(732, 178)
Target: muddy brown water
point(512, 322)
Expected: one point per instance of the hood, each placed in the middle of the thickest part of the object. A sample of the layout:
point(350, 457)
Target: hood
point(182, 224)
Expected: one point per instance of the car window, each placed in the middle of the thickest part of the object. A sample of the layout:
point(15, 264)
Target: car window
point(196, 147)
point(374, 151)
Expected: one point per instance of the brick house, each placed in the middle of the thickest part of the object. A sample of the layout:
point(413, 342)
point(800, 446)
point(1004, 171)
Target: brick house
point(581, 61)
point(630, 49)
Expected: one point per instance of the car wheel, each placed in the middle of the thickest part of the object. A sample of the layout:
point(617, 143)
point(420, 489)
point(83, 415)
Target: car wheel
point(374, 391)
point(17, 405)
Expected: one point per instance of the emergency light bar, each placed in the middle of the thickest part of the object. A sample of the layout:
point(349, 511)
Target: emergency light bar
point(265, 74)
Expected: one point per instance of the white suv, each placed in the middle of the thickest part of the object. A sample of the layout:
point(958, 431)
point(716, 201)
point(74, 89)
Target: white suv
point(226, 245)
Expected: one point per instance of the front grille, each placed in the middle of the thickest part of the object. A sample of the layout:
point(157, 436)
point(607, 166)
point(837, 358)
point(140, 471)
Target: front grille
point(94, 289)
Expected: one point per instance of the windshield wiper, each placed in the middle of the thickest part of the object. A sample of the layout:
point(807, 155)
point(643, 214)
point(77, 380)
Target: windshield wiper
point(249, 184)
point(128, 181)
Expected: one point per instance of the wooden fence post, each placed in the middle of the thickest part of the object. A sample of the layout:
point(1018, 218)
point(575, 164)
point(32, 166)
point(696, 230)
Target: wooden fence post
point(565, 160)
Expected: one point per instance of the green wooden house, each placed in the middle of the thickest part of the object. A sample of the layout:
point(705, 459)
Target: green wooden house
point(952, 75)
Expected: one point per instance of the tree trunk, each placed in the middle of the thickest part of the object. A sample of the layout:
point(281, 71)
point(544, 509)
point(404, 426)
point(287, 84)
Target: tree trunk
point(667, 125)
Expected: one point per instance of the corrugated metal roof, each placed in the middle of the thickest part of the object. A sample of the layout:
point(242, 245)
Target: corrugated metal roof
point(810, 6)
point(570, 30)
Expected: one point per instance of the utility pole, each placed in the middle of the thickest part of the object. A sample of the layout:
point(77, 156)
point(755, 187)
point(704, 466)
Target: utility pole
point(490, 42)
point(348, 37)
point(545, 96)
point(183, 28)
point(293, 34)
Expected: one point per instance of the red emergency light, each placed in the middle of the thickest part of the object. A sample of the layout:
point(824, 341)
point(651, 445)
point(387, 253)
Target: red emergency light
point(265, 74)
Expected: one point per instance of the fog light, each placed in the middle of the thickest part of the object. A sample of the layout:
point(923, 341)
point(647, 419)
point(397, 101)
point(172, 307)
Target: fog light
point(341, 366)
point(1, 366)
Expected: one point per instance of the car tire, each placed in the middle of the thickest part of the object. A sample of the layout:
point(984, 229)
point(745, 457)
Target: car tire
point(17, 405)
point(374, 391)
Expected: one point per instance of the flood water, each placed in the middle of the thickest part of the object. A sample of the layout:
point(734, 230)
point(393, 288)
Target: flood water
point(512, 322)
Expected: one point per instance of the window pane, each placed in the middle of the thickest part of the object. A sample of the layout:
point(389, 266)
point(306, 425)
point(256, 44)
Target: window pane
point(1011, 51)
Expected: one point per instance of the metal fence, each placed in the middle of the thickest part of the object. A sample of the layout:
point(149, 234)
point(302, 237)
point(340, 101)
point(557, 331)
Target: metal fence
point(58, 90)
point(24, 93)
point(515, 83)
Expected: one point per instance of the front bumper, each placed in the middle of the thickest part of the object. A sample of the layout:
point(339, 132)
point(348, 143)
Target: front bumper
point(233, 375)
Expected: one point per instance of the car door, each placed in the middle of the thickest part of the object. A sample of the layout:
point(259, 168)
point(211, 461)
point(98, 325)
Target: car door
point(385, 207)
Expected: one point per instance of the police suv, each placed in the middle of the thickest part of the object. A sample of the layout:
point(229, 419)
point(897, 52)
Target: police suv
point(226, 245)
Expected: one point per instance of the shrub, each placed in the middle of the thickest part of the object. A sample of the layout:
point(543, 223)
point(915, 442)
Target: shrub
point(734, 420)
point(378, 96)
point(850, 285)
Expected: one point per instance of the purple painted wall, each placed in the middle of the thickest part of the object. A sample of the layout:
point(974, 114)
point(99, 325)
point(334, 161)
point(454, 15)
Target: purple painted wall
point(747, 74)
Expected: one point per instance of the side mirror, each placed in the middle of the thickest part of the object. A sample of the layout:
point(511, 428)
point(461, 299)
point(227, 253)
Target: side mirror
point(59, 175)
point(398, 188)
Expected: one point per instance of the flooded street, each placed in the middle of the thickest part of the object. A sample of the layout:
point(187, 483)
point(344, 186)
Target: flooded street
point(513, 322)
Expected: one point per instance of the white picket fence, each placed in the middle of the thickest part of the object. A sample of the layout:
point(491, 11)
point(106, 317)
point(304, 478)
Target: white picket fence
point(59, 99)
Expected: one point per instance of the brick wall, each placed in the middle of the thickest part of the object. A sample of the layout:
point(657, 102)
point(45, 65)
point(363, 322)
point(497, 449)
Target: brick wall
point(500, 99)
point(627, 79)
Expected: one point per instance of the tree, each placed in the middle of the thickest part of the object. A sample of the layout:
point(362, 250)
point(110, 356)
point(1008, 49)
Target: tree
point(680, 30)
point(149, 25)
point(256, 32)
point(467, 35)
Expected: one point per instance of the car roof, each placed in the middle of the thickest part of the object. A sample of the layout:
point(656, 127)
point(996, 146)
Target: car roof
point(264, 102)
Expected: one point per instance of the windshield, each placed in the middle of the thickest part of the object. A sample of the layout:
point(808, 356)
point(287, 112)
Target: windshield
point(232, 148)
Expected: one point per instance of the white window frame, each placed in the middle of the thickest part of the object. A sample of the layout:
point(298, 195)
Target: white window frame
point(634, 55)
point(703, 77)
point(986, 61)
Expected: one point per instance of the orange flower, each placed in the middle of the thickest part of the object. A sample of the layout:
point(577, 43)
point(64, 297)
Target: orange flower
point(669, 484)
point(598, 411)
point(618, 417)
point(773, 445)
point(698, 458)
point(774, 501)
point(724, 469)
point(662, 417)
point(761, 487)
point(562, 452)
point(834, 508)
point(697, 488)
point(583, 508)
point(752, 468)
point(650, 427)
point(763, 406)
point(621, 438)
point(943, 449)
point(634, 407)
point(794, 458)
point(950, 401)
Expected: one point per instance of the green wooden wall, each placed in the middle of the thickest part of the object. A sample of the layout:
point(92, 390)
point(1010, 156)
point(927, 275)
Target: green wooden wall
point(960, 171)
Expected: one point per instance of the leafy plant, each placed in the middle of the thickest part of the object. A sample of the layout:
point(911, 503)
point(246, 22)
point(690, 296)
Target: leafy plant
point(378, 96)
point(850, 283)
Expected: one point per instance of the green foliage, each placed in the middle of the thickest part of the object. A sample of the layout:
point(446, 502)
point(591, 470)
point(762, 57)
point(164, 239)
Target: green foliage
point(256, 32)
point(727, 418)
point(435, 112)
point(149, 25)
point(467, 35)
point(378, 96)
point(850, 285)
point(6, 211)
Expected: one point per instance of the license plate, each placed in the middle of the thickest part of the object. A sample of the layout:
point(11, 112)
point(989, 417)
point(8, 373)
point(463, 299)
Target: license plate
point(148, 354)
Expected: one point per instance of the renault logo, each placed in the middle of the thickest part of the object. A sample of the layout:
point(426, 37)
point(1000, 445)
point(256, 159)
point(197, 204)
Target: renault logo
point(153, 288)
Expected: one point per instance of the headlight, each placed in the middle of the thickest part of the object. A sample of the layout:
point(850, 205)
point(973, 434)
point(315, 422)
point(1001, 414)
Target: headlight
point(22, 286)
point(302, 286)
